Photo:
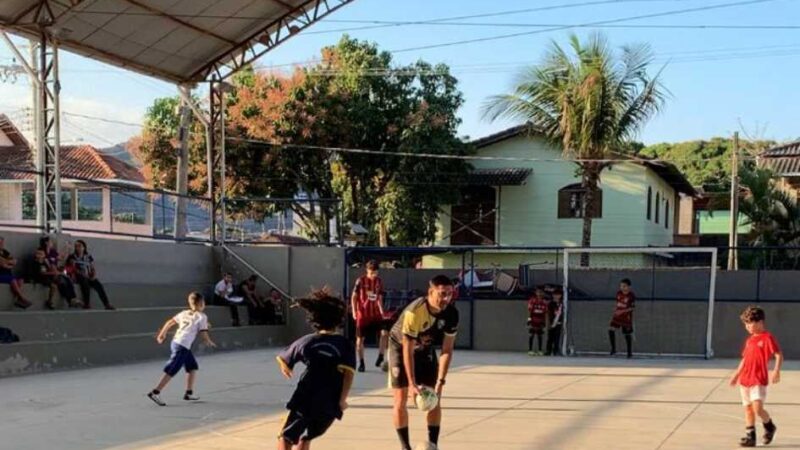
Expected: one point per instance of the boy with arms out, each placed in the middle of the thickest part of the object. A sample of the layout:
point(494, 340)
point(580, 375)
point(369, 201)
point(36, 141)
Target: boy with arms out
point(623, 317)
point(321, 394)
point(752, 375)
point(413, 362)
point(537, 319)
point(367, 306)
point(190, 322)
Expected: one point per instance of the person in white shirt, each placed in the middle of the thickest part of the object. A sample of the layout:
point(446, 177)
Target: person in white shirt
point(190, 323)
point(223, 296)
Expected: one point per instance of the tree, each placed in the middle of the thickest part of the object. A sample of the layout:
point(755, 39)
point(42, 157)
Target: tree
point(588, 100)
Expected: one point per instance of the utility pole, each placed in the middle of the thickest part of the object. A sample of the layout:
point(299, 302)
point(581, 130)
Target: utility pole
point(733, 242)
point(183, 164)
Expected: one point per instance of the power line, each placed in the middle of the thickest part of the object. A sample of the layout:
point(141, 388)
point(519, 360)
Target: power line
point(600, 22)
point(103, 119)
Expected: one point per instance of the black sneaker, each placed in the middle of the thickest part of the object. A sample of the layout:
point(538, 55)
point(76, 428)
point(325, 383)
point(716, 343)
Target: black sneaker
point(769, 433)
point(379, 361)
point(749, 440)
point(361, 367)
point(190, 398)
point(156, 399)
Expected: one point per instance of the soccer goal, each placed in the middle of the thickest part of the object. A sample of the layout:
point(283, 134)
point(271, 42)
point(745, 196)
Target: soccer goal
point(673, 288)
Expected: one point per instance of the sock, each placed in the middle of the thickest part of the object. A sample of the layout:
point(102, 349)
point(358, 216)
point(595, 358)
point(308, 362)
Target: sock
point(530, 343)
point(751, 432)
point(540, 339)
point(402, 433)
point(769, 426)
point(380, 359)
point(629, 343)
point(612, 339)
point(433, 434)
point(155, 391)
point(189, 392)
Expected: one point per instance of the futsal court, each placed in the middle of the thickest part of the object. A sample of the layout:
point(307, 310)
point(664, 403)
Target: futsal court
point(492, 401)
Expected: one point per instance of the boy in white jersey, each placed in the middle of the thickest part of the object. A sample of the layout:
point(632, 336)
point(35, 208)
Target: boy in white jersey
point(190, 322)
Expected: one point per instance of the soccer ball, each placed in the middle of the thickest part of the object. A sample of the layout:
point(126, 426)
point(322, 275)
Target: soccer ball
point(427, 399)
point(426, 446)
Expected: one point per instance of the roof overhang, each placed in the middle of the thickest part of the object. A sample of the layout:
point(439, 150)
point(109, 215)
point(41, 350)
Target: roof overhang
point(180, 41)
point(499, 177)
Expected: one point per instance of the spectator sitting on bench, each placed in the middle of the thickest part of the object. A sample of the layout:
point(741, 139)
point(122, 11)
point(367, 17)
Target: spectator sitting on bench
point(64, 284)
point(256, 309)
point(7, 263)
point(80, 265)
point(223, 296)
point(276, 303)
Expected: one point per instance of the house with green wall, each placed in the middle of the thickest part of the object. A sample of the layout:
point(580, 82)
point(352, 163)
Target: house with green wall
point(528, 195)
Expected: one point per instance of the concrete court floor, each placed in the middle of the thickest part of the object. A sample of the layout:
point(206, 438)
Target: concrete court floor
point(492, 401)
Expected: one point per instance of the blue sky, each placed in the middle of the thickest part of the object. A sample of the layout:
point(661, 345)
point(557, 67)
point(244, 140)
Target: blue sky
point(721, 80)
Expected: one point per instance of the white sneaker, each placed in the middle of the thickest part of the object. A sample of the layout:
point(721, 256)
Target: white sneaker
point(156, 399)
point(426, 446)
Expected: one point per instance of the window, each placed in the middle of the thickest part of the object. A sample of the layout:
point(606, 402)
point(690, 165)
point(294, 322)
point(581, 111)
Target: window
point(129, 207)
point(90, 204)
point(649, 203)
point(658, 205)
point(67, 195)
point(472, 221)
point(666, 215)
point(572, 202)
point(28, 204)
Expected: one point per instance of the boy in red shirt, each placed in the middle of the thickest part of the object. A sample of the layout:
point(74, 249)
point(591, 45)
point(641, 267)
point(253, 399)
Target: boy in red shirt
point(752, 375)
point(367, 305)
point(623, 317)
point(537, 319)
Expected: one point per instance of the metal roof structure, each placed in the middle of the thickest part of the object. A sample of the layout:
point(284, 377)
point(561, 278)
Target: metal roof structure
point(783, 159)
point(179, 41)
point(499, 177)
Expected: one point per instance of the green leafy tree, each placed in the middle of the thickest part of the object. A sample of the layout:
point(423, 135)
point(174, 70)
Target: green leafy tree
point(588, 100)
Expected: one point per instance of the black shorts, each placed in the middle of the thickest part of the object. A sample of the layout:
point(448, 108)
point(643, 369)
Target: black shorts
point(369, 329)
point(536, 330)
point(426, 367)
point(298, 427)
point(626, 329)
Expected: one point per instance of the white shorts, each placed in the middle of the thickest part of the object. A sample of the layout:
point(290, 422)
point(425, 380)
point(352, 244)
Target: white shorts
point(753, 393)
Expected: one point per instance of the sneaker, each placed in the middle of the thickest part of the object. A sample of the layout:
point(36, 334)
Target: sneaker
point(361, 367)
point(110, 307)
point(22, 303)
point(769, 433)
point(747, 441)
point(531, 353)
point(156, 399)
point(49, 306)
point(426, 446)
point(379, 361)
point(190, 398)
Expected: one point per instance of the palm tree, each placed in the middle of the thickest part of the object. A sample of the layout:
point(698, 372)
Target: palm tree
point(591, 101)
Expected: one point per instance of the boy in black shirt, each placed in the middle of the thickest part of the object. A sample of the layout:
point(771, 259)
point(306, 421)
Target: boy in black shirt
point(330, 360)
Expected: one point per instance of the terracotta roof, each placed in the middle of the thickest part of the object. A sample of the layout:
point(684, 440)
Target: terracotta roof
point(77, 161)
point(666, 171)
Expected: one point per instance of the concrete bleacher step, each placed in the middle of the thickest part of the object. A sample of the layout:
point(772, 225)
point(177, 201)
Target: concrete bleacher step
point(121, 295)
point(98, 323)
point(44, 356)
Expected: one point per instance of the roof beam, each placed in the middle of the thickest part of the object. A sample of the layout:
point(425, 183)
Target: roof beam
point(267, 38)
point(181, 22)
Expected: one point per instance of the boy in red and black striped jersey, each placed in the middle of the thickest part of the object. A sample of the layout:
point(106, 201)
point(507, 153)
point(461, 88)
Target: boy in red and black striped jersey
point(537, 319)
point(623, 317)
point(367, 304)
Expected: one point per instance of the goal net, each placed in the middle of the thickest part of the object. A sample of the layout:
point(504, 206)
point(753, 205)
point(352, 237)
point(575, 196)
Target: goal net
point(673, 301)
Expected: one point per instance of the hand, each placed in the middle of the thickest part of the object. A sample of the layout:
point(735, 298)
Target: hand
point(354, 316)
point(414, 390)
point(210, 343)
point(734, 380)
point(343, 405)
point(776, 377)
point(160, 338)
point(287, 372)
point(439, 388)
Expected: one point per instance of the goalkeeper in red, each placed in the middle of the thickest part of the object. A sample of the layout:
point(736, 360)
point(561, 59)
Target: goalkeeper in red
point(623, 317)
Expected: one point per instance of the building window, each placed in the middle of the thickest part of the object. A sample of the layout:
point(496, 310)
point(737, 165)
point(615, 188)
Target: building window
point(129, 207)
point(658, 205)
point(572, 202)
point(472, 221)
point(28, 204)
point(90, 204)
point(649, 203)
point(666, 215)
point(67, 205)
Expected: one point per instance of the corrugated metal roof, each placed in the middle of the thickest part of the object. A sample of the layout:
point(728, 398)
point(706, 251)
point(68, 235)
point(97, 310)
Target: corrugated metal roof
point(175, 40)
point(783, 166)
point(790, 149)
point(498, 177)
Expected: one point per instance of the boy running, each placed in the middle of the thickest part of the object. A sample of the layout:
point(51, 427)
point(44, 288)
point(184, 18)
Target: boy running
point(752, 375)
point(367, 306)
point(190, 322)
point(623, 317)
point(321, 394)
point(413, 362)
point(537, 319)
